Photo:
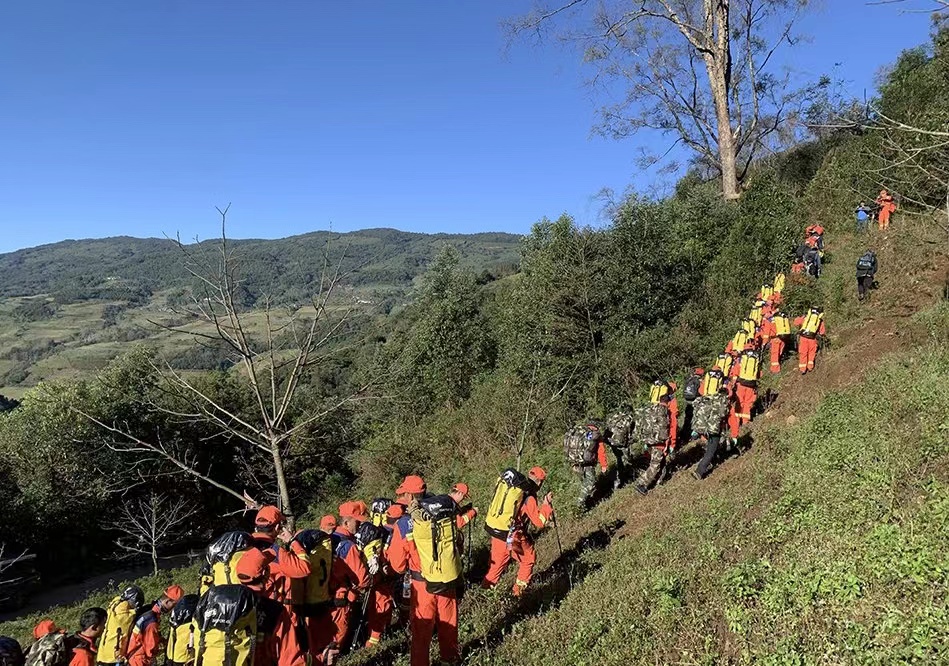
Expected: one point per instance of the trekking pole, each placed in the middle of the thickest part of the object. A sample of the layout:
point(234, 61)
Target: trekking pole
point(553, 516)
point(362, 618)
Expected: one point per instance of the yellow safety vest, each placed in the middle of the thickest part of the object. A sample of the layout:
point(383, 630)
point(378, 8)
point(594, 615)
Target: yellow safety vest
point(779, 283)
point(724, 363)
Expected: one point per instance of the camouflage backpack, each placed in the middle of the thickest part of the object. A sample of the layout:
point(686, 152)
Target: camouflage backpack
point(652, 424)
point(580, 445)
point(710, 411)
point(620, 427)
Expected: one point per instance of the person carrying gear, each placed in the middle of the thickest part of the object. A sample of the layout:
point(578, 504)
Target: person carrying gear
point(866, 270)
point(711, 411)
point(277, 642)
point(349, 577)
point(120, 619)
point(779, 281)
point(886, 206)
point(863, 217)
point(757, 313)
point(724, 362)
point(691, 390)
point(146, 642)
point(810, 328)
point(742, 337)
point(402, 557)
point(179, 648)
point(286, 564)
point(619, 428)
point(746, 391)
point(513, 511)
point(584, 447)
point(777, 329)
point(656, 429)
point(83, 643)
point(812, 261)
point(435, 521)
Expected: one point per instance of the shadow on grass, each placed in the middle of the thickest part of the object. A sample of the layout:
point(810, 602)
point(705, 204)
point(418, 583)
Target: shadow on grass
point(549, 587)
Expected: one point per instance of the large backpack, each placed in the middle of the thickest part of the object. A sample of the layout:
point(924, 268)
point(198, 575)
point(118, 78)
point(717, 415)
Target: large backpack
point(652, 424)
point(658, 391)
point(53, 649)
point(865, 263)
point(225, 627)
point(692, 388)
point(811, 324)
point(779, 281)
point(119, 620)
point(310, 595)
point(749, 366)
point(580, 446)
point(180, 647)
point(713, 381)
point(782, 323)
point(619, 425)
point(724, 363)
point(435, 537)
point(740, 338)
point(709, 413)
point(377, 510)
point(223, 555)
point(509, 494)
point(371, 539)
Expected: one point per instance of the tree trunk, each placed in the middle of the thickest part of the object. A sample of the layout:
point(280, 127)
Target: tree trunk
point(153, 526)
point(726, 154)
point(282, 488)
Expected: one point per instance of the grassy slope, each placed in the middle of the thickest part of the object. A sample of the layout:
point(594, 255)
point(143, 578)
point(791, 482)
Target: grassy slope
point(824, 543)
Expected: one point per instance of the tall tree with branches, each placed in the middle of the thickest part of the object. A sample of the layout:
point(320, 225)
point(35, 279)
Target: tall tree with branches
point(274, 348)
point(702, 71)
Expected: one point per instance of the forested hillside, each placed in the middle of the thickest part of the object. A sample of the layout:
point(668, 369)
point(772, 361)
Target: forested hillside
point(822, 542)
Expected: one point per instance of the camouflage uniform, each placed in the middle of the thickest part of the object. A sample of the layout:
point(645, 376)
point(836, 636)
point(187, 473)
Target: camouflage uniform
point(657, 461)
point(587, 485)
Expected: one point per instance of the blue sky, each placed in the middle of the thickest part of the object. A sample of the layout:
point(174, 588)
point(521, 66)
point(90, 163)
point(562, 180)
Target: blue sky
point(137, 118)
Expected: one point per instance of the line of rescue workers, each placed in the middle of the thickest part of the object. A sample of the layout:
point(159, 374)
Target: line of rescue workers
point(273, 598)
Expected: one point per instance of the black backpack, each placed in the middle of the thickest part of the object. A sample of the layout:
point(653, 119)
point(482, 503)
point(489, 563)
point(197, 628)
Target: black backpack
point(865, 263)
point(691, 389)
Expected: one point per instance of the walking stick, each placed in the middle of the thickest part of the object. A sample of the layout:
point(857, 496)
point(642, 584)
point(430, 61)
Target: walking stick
point(553, 516)
point(362, 618)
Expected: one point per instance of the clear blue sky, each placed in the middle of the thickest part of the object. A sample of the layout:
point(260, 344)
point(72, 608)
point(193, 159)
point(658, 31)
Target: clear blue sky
point(136, 118)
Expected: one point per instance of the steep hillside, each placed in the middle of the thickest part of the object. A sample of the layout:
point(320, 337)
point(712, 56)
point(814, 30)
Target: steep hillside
point(824, 542)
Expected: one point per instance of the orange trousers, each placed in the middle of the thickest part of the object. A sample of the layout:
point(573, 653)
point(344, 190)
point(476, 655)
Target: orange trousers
point(745, 397)
point(522, 551)
point(777, 348)
point(431, 613)
point(806, 353)
point(883, 217)
point(330, 626)
point(379, 610)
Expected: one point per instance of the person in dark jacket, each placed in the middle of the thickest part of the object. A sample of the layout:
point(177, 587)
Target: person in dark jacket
point(866, 270)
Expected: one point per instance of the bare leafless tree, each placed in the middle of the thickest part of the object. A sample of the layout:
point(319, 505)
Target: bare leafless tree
point(273, 347)
point(702, 71)
point(152, 524)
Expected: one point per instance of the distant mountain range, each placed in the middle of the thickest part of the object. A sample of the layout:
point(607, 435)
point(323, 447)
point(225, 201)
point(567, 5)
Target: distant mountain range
point(113, 268)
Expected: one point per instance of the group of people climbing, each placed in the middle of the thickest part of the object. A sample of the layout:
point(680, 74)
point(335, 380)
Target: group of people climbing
point(274, 597)
point(718, 401)
point(883, 209)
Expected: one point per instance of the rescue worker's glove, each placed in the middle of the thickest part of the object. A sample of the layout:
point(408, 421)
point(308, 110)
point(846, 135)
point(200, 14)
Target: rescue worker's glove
point(373, 565)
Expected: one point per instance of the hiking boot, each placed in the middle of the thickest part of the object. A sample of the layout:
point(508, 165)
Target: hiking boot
point(640, 489)
point(696, 475)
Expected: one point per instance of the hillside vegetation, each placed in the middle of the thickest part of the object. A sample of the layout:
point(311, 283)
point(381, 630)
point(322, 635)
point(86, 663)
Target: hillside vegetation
point(823, 542)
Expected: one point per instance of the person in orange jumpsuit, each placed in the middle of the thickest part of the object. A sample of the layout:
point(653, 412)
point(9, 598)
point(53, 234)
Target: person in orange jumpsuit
point(397, 553)
point(146, 643)
point(285, 564)
point(887, 208)
point(434, 608)
point(807, 342)
point(349, 576)
point(746, 392)
point(382, 604)
point(91, 626)
point(520, 546)
point(277, 641)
